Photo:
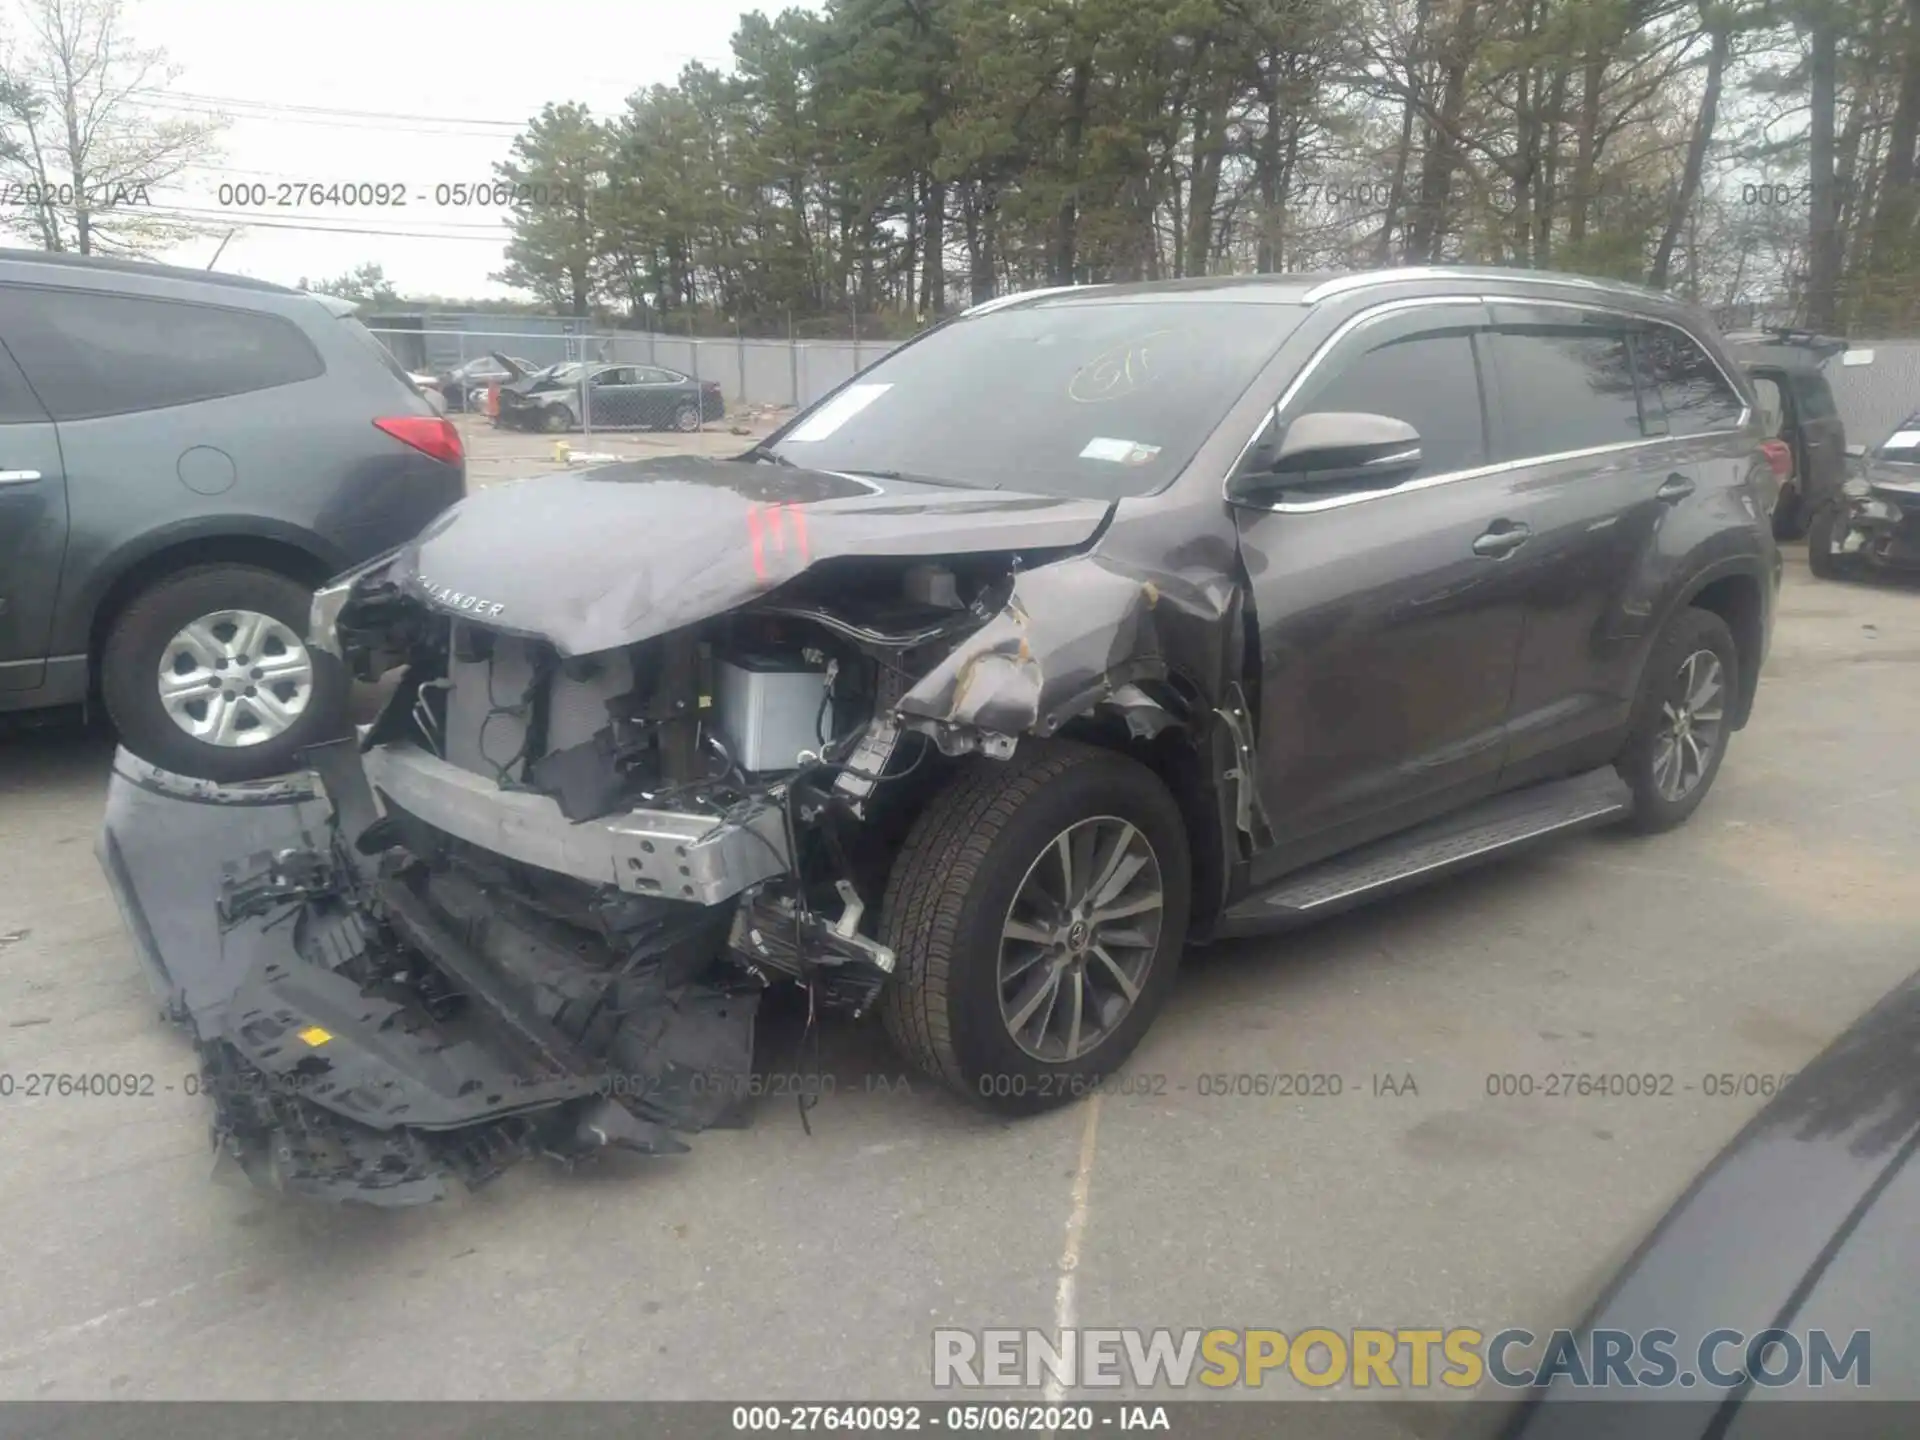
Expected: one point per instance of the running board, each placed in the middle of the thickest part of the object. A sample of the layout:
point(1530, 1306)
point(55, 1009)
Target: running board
point(1479, 833)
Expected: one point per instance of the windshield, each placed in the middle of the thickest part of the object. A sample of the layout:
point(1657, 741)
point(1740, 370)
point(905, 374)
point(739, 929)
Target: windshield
point(1084, 398)
point(1903, 446)
point(568, 374)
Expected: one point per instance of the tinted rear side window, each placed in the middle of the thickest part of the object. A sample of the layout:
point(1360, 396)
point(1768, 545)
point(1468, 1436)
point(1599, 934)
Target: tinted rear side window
point(1697, 396)
point(1565, 388)
point(1429, 381)
point(89, 354)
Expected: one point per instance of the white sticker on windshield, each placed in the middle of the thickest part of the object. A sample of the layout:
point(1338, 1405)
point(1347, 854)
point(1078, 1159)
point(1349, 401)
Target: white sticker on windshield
point(836, 412)
point(1901, 439)
point(1120, 452)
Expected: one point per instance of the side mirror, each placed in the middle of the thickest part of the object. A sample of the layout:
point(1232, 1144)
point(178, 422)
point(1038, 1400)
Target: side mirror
point(1328, 452)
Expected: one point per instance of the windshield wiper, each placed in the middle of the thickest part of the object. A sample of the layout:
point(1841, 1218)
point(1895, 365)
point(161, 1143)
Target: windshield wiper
point(911, 479)
point(760, 454)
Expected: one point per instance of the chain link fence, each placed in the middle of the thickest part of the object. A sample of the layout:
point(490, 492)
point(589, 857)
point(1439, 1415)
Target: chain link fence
point(623, 379)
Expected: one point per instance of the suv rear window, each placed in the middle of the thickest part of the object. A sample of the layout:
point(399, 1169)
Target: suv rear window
point(372, 341)
point(88, 354)
point(1697, 396)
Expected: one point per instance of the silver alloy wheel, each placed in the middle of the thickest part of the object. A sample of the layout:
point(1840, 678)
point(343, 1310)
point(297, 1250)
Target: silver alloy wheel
point(686, 418)
point(1690, 723)
point(1079, 939)
point(235, 678)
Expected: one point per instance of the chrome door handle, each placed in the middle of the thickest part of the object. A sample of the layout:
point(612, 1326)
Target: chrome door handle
point(1500, 542)
point(1676, 489)
point(18, 477)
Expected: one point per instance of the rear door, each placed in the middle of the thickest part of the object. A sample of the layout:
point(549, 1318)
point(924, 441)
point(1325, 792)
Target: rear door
point(665, 391)
point(1591, 482)
point(33, 529)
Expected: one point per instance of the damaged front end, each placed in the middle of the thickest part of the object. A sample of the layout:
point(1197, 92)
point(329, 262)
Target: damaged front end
point(535, 904)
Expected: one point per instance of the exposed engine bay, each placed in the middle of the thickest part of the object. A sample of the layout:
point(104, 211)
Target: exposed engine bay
point(534, 904)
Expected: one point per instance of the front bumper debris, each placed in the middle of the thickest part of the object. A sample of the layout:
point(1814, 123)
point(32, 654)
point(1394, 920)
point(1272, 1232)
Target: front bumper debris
point(373, 1029)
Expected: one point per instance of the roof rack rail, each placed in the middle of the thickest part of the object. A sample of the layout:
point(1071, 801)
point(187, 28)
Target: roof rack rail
point(1000, 302)
point(1365, 279)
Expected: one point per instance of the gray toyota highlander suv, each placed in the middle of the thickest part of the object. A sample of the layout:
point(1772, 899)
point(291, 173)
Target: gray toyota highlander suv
point(183, 457)
point(1086, 626)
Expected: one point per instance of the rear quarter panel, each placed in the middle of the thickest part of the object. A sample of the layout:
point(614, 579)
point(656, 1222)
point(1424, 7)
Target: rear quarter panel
point(301, 463)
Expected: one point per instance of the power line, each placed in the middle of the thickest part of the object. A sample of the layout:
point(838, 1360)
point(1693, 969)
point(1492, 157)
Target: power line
point(239, 215)
point(201, 217)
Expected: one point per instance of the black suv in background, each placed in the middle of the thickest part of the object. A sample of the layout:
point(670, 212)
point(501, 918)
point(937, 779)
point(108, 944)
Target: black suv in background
point(1788, 371)
point(1085, 626)
point(183, 457)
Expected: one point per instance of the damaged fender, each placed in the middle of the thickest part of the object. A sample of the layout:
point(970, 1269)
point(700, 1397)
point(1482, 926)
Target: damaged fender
point(1072, 635)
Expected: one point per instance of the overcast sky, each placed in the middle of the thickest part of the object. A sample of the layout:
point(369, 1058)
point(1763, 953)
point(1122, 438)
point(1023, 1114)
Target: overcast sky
point(396, 91)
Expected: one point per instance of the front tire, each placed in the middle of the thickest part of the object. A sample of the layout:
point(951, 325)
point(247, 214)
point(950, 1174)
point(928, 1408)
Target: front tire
point(1038, 911)
point(556, 419)
point(1683, 720)
point(207, 673)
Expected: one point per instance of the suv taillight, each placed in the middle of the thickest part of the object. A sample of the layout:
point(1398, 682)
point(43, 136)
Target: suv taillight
point(1779, 456)
point(433, 435)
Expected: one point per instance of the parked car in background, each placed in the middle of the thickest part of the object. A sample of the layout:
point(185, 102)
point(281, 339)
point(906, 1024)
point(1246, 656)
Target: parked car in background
point(465, 386)
point(184, 456)
point(1084, 626)
point(1788, 369)
point(1874, 521)
point(633, 397)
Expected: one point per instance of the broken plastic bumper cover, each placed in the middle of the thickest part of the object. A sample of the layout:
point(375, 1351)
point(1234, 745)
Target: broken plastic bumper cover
point(368, 1032)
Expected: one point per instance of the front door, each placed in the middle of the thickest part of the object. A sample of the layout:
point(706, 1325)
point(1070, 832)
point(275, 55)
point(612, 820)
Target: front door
point(33, 529)
point(1388, 624)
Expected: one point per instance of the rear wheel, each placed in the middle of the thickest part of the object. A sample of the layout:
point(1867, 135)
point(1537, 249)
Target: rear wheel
point(1038, 910)
point(1821, 558)
point(208, 674)
point(687, 417)
point(1683, 720)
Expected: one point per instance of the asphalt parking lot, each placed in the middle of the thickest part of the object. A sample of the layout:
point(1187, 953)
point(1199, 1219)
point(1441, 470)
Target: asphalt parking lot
point(495, 455)
point(774, 1263)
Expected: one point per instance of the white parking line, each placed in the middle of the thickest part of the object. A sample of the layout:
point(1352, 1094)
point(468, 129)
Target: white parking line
point(1064, 1307)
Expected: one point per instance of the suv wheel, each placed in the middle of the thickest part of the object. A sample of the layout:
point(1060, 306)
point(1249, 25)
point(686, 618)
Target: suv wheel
point(208, 674)
point(1038, 910)
point(1821, 558)
point(1681, 725)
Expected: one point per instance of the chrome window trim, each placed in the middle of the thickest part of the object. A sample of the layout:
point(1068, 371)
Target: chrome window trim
point(1425, 482)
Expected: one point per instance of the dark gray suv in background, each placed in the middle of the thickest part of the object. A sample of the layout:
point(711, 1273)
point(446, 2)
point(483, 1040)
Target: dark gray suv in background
point(183, 457)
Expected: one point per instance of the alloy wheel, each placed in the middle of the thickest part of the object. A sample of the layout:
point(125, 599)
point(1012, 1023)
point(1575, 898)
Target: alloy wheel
point(1691, 719)
point(1079, 938)
point(235, 678)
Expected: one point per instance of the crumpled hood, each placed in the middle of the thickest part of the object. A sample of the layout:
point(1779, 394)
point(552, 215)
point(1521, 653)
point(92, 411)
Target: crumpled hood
point(596, 559)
